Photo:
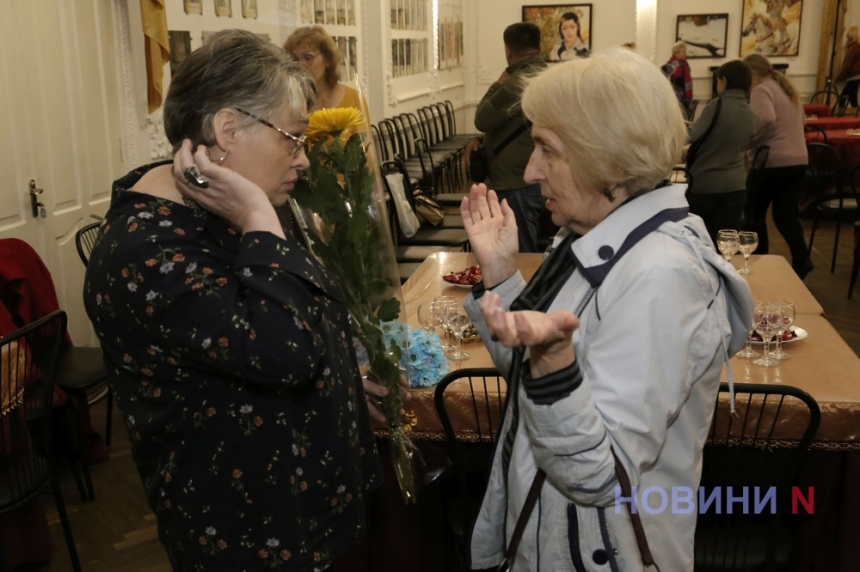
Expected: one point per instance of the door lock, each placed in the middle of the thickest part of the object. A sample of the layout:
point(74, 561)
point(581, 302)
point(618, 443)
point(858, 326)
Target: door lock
point(37, 207)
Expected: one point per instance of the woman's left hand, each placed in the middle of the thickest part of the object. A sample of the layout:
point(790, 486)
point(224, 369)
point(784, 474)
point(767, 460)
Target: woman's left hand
point(548, 336)
point(373, 392)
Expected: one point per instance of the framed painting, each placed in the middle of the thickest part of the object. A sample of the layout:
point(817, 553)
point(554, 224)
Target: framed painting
point(249, 9)
point(194, 7)
point(565, 30)
point(771, 28)
point(180, 47)
point(704, 34)
point(224, 8)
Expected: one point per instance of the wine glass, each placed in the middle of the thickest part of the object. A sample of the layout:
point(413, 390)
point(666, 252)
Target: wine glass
point(787, 311)
point(727, 243)
point(428, 317)
point(748, 352)
point(458, 320)
point(767, 320)
point(747, 243)
point(440, 306)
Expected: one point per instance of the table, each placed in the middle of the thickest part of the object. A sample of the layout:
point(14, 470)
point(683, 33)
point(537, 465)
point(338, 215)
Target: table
point(774, 279)
point(846, 142)
point(834, 122)
point(817, 110)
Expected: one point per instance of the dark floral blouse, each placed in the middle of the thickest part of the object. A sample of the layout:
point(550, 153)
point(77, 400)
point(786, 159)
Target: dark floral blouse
point(232, 363)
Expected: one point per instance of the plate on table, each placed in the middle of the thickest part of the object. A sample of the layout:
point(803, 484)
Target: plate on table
point(465, 278)
point(794, 335)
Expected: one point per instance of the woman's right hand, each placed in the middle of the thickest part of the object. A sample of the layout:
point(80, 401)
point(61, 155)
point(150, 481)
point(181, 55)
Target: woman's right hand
point(228, 194)
point(492, 230)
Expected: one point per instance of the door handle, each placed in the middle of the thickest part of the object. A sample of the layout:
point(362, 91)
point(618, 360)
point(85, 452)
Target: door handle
point(37, 207)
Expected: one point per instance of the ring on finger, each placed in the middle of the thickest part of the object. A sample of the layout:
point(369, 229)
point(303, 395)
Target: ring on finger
point(192, 175)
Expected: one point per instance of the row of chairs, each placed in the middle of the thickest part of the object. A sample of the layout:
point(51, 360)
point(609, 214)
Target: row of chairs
point(754, 439)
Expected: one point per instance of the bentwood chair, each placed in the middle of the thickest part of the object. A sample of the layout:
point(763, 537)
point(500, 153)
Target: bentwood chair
point(753, 183)
point(469, 403)
point(758, 450)
point(28, 364)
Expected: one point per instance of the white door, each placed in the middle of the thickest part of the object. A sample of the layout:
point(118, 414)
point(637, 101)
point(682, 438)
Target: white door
point(60, 126)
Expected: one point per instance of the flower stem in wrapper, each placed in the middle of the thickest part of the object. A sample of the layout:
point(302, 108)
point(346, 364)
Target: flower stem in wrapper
point(341, 209)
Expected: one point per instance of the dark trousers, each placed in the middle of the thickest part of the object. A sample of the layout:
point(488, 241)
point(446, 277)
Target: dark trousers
point(850, 91)
point(780, 187)
point(527, 205)
point(719, 211)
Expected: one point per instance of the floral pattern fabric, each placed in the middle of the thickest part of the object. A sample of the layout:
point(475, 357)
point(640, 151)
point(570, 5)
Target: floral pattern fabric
point(231, 360)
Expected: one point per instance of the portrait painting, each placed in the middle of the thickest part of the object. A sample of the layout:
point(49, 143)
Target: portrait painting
point(565, 30)
point(194, 7)
point(771, 27)
point(704, 34)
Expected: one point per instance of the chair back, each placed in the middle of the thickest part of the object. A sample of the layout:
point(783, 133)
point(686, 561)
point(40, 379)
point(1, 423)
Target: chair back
point(824, 170)
point(28, 364)
point(85, 240)
point(757, 452)
point(814, 133)
point(755, 176)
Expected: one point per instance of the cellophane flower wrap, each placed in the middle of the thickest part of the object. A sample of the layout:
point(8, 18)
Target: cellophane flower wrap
point(341, 208)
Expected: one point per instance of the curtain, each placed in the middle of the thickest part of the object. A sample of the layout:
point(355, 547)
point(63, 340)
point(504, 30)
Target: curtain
point(156, 47)
point(834, 12)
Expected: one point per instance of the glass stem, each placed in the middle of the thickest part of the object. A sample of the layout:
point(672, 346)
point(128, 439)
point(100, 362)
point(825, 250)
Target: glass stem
point(766, 349)
point(746, 264)
point(778, 350)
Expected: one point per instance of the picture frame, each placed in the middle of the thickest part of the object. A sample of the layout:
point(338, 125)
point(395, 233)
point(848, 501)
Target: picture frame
point(565, 29)
point(180, 46)
point(706, 35)
point(224, 8)
point(249, 9)
point(193, 7)
point(771, 32)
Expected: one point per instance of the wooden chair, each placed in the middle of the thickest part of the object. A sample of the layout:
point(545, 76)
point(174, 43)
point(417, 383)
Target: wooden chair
point(471, 420)
point(760, 448)
point(28, 363)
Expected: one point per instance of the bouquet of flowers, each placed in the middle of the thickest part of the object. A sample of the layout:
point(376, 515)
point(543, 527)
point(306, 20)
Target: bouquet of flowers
point(341, 208)
point(424, 359)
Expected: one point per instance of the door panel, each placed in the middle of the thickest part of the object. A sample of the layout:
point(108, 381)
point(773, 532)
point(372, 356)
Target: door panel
point(62, 106)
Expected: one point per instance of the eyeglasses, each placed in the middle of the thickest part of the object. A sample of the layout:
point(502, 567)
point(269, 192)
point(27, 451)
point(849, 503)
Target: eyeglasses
point(299, 141)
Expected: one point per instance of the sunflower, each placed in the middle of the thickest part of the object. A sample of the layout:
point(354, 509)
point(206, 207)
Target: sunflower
point(333, 122)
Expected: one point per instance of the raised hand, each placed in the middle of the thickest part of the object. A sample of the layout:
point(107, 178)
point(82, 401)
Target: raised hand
point(227, 193)
point(492, 230)
point(548, 336)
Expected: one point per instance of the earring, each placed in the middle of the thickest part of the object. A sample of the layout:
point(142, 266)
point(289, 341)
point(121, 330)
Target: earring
point(218, 161)
point(609, 195)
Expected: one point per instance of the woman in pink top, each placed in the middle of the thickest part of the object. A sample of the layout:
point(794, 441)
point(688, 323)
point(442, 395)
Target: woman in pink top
point(779, 126)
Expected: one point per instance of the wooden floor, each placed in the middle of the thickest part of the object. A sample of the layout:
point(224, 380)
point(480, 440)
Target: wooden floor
point(117, 531)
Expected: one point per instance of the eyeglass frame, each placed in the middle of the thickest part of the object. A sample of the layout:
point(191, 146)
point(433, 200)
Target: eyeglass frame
point(299, 141)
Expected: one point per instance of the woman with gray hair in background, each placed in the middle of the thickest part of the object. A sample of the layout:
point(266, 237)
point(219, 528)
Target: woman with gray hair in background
point(228, 347)
point(613, 350)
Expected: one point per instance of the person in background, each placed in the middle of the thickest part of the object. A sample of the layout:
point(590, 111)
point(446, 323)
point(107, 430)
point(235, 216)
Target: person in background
point(613, 351)
point(570, 44)
point(316, 50)
point(677, 69)
point(717, 193)
point(500, 117)
point(228, 346)
point(850, 70)
point(779, 125)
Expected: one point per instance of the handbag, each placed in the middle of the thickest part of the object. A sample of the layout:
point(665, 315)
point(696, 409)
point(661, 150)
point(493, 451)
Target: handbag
point(479, 160)
point(696, 146)
point(427, 208)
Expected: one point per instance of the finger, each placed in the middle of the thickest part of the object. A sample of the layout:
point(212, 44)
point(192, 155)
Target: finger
point(466, 213)
point(493, 203)
point(508, 214)
point(374, 388)
point(375, 412)
point(564, 320)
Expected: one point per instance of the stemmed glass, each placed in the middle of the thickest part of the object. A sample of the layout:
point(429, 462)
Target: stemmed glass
point(767, 320)
point(727, 243)
point(458, 320)
point(787, 311)
point(747, 243)
point(428, 316)
point(440, 307)
point(748, 352)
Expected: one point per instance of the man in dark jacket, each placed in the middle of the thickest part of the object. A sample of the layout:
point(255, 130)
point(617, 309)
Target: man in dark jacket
point(500, 118)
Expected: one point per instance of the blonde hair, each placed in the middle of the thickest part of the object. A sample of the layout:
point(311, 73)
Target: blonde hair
point(315, 37)
point(760, 66)
point(853, 34)
point(677, 47)
point(616, 115)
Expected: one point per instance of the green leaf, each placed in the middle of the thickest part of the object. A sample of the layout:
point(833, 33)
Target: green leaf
point(389, 310)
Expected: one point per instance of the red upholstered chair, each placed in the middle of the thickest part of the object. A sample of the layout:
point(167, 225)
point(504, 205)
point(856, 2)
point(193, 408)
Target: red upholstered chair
point(27, 292)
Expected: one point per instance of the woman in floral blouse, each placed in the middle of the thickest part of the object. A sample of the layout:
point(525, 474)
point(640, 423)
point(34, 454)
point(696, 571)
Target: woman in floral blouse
point(229, 347)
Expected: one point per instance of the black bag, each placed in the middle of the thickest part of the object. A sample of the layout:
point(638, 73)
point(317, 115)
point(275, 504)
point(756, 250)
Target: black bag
point(479, 161)
point(479, 164)
point(696, 146)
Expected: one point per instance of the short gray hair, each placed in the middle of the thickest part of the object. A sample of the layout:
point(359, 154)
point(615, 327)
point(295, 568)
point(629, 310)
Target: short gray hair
point(237, 69)
point(616, 116)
